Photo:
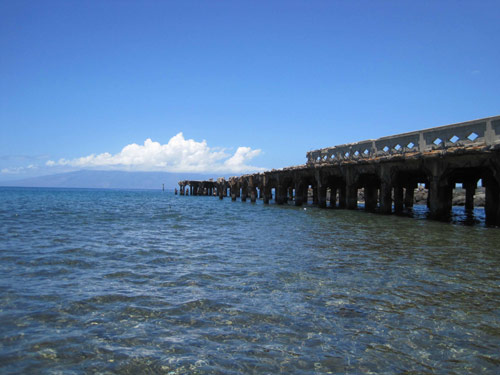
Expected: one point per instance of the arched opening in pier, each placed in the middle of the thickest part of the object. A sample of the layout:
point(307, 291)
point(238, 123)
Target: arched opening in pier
point(410, 188)
point(182, 189)
point(312, 193)
point(367, 188)
point(467, 200)
point(252, 193)
point(221, 189)
point(305, 190)
point(259, 192)
point(269, 190)
point(335, 192)
point(284, 191)
point(204, 189)
point(192, 189)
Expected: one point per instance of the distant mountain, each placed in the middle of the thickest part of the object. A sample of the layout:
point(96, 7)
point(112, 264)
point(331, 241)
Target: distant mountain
point(109, 180)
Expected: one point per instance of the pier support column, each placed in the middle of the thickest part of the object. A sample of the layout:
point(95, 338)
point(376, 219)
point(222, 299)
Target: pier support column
point(398, 199)
point(342, 196)
point(220, 191)
point(266, 194)
point(440, 200)
point(352, 197)
point(244, 194)
point(305, 194)
point(371, 195)
point(385, 198)
point(321, 196)
point(319, 190)
point(253, 195)
point(492, 204)
point(234, 188)
point(280, 192)
point(290, 193)
point(333, 196)
point(470, 189)
point(409, 195)
point(299, 194)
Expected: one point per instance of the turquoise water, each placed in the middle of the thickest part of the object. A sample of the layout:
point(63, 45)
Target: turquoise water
point(96, 281)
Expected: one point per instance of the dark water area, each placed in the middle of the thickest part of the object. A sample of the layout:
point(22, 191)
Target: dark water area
point(138, 282)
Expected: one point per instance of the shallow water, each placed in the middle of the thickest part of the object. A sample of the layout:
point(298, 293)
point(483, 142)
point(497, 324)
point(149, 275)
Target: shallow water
point(96, 281)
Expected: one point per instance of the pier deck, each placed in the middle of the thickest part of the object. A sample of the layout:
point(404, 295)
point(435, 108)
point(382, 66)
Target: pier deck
point(388, 169)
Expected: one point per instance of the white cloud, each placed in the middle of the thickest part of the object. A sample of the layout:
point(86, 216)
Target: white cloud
point(15, 170)
point(18, 170)
point(239, 158)
point(178, 155)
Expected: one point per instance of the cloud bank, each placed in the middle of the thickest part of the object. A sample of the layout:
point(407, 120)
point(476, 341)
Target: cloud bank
point(178, 155)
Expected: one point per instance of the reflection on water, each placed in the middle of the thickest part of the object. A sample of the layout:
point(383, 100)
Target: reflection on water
point(459, 215)
point(145, 282)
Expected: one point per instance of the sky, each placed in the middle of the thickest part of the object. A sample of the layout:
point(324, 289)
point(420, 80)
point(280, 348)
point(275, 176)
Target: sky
point(232, 86)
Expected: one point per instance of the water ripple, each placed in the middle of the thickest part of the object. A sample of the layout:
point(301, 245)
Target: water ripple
point(144, 282)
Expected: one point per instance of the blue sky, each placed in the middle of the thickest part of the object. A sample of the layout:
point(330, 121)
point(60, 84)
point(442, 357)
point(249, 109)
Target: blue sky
point(250, 85)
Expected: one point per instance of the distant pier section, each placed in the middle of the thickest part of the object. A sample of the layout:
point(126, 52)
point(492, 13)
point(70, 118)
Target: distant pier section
point(387, 170)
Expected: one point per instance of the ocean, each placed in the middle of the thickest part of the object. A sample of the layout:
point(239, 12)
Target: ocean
point(147, 282)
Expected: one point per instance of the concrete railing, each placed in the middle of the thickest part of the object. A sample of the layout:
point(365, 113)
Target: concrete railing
point(477, 133)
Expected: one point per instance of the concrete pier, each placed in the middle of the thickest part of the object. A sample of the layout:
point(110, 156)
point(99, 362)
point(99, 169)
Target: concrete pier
point(386, 170)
